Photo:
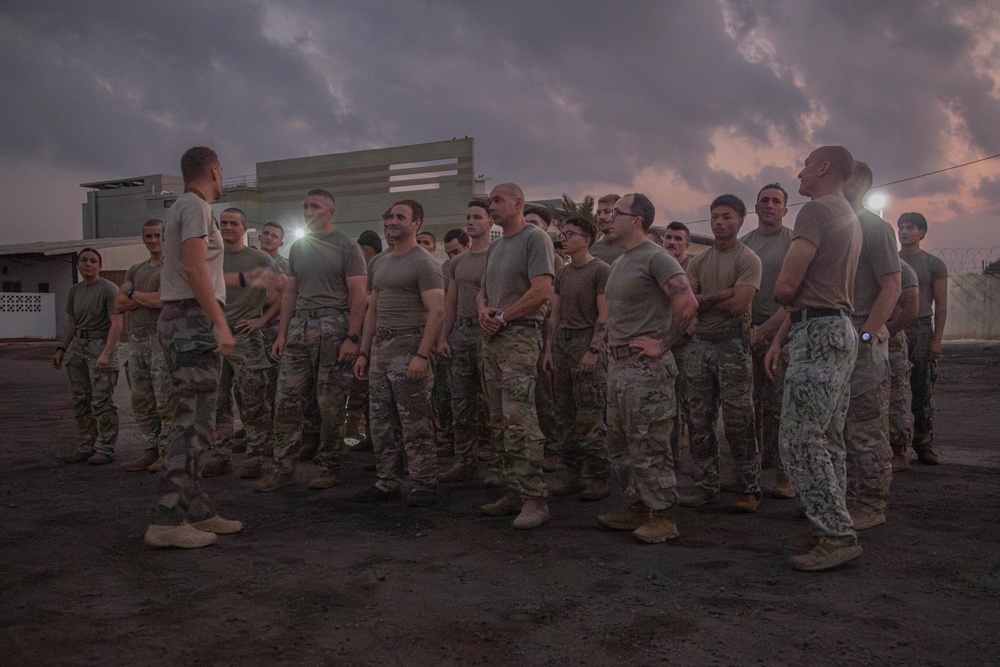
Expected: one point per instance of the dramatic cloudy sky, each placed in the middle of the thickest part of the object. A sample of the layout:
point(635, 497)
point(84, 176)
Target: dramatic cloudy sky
point(682, 100)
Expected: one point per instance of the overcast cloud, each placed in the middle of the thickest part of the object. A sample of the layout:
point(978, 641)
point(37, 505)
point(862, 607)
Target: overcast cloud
point(685, 100)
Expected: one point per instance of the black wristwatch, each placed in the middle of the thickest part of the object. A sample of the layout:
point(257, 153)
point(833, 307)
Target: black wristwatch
point(594, 350)
point(866, 337)
point(354, 338)
point(130, 292)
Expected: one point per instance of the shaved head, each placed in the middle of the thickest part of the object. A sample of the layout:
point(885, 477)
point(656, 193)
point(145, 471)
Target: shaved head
point(511, 188)
point(839, 158)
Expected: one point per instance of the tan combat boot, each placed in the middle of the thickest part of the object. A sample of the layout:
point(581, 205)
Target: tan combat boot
point(597, 489)
point(158, 465)
point(460, 472)
point(570, 484)
point(324, 480)
point(658, 527)
point(630, 518)
point(218, 525)
point(825, 556)
point(900, 462)
point(147, 459)
point(184, 536)
point(534, 513)
point(508, 505)
point(747, 503)
point(783, 488)
point(274, 480)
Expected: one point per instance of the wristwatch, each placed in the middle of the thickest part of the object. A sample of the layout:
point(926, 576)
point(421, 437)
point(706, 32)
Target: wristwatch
point(130, 292)
point(594, 350)
point(866, 337)
point(499, 317)
point(354, 338)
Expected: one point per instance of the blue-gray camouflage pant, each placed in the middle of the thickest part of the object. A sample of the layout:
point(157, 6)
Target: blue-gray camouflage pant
point(821, 354)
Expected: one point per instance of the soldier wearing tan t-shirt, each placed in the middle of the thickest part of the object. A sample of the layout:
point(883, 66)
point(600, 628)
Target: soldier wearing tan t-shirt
point(461, 342)
point(717, 369)
point(816, 287)
point(402, 326)
point(900, 395)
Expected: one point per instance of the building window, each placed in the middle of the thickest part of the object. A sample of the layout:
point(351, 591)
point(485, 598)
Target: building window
point(12, 286)
point(43, 288)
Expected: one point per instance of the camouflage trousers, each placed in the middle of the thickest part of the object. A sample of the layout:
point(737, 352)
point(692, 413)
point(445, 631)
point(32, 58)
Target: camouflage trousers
point(642, 411)
point(402, 419)
point(680, 435)
point(148, 381)
point(188, 340)
point(246, 370)
point(270, 334)
point(923, 374)
point(866, 432)
point(356, 410)
point(468, 400)
point(441, 398)
point(900, 397)
point(510, 364)
point(93, 395)
point(720, 374)
point(821, 354)
point(545, 405)
point(309, 367)
point(767, 406)
point(580, 403)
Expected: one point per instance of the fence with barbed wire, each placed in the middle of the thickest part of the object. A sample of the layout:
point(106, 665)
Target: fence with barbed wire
point(973, 292)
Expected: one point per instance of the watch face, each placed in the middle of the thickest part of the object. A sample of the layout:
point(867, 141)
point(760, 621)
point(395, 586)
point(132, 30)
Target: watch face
point(866, 337)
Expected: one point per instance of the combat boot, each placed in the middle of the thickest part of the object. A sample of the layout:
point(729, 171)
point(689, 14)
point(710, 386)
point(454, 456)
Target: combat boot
point(493, 480)
point(928, 457)
point(324, 480)
point(216, 462)
point(184, 536)
point(158, 465)
point(658, 527)
point(147, 459)
point(865, 517)
point(218, 525)
point(507, 505)
point(630, 518)
point(570, 484)
point(534, 513)
point(899, 462)
point(274, 480)
point(825, 556)
point(310, 446)
point(597, 489)
point(699, 498)
point(252, 469)
point(746, 503)
point(460, 472)
point(784, 487)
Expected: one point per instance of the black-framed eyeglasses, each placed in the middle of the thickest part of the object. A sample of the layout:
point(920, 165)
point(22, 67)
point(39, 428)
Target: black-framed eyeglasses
point(567, 233)
point(616, 212)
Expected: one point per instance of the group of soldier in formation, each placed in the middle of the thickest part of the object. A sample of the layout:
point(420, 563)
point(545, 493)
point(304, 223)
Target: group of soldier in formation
point(804, 339)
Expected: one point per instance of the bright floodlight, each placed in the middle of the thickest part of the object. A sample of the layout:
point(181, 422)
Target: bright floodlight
point(877, 201)
point(299, 233)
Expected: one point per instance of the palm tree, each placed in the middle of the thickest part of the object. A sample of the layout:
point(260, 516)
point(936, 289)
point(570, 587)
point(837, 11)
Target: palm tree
point(570, 208)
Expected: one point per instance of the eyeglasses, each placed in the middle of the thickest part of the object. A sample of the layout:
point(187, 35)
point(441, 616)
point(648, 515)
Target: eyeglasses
point(615, 213)
point(567, 233)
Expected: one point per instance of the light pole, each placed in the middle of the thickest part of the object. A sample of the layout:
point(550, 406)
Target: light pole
point(877, 201)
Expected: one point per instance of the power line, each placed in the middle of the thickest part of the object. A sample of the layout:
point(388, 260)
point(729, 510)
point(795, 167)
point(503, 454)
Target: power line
point(902, 180)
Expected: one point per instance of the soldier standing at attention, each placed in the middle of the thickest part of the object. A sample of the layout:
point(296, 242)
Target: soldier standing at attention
point(770, 241)
point(576, 360)
point(816, 287)
point(405, 314)
point(717, 368)
point(194, 335)
point(248, 272)
point(93, 328)
point(925, 335)
point(649, 304)
point(517, 283)
point(604, 249)
point(139, 296)
point(461, 342)
point(876, 292)
point(322, 312)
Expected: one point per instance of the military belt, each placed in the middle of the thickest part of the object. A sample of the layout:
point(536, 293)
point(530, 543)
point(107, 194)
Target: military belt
point(383, 333)
point(812, 313)
point(312, 313)
point(527, 324)
point(926, 319)
point(91, 334)
point(567, 334)
point(622, 351)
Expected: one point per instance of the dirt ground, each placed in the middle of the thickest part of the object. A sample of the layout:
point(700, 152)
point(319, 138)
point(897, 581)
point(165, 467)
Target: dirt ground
point(316, 579)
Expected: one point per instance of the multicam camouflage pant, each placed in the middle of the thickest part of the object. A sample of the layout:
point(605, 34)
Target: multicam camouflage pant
point(866, 432)
point(545, 406)
point(922, 378)
point(188, 340)
point(767, 406)
point(719, 373)
point(402, 421)
point(247, 368)
point(93, 395)
point(900, 397)
point(149, 382)
point(642, 410)
point(468, 399)
point(580, 403)
point(821, 354)
point(510, 362)
point(680, 435)
point(441, 399)
point(309, 364)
